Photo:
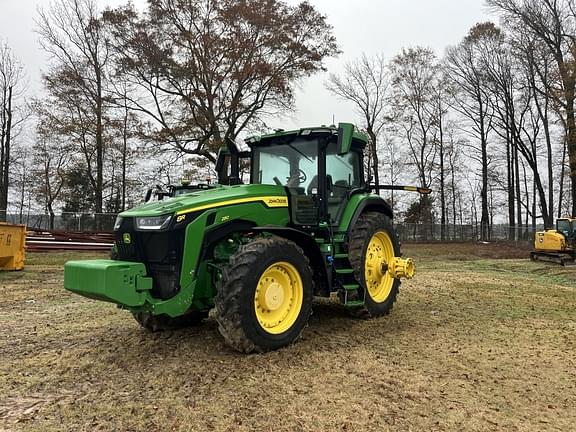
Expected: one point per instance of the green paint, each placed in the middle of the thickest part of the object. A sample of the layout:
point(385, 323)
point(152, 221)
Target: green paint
point(354, 202)
point(202, 198)
point(345, 135)
point(102, 280)
point(119, 282)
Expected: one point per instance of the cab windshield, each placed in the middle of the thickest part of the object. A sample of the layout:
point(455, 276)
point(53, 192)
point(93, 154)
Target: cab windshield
point(294, 164)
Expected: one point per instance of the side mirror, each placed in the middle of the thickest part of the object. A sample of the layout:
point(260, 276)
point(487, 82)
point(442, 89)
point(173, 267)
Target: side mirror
point(345, 134)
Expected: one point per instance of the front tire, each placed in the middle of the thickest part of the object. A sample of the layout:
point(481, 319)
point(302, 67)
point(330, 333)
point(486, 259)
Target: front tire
point(373, 244)
point(264, 296)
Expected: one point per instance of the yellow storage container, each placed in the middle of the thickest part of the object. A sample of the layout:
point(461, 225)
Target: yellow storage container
point(12, 242)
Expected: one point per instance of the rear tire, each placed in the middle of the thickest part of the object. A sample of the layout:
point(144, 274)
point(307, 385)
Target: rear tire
point(372, 239)
point(156, 323)
point(264, 296)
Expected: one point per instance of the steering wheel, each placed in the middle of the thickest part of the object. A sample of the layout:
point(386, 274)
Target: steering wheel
point(277, 181)
point(299, 176)
point(302, 176)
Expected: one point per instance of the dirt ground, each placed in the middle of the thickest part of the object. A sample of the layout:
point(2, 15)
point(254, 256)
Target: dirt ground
point(473, 343)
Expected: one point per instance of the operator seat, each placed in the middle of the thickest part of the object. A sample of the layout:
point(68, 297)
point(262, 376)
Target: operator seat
point(337, 198)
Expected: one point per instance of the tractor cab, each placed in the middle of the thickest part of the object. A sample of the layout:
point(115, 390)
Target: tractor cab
point(320, 168)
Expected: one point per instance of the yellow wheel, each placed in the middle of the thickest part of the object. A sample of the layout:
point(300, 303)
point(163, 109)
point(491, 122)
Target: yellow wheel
point(371, 249)
point(264, 297)
point(379, 253)
point(278, 297)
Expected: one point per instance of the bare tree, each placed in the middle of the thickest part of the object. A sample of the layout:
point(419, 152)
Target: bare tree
point(440, 108)
point(414, 78)
point(473, 101)
point(71, 33)
point(12, 87)
point(519, 116)
point(364, 83)
point(204, 71)
point(51, 156)
point(415, 75)
point(552, 23)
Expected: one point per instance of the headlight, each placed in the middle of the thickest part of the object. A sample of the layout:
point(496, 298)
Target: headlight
point(117, 223)
point(153, 222)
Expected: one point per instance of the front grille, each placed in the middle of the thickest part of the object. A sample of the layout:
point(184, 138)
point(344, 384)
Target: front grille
point(126, 252)
point(161, 253)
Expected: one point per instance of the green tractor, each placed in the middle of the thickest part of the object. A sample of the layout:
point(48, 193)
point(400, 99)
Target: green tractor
point(306, 225)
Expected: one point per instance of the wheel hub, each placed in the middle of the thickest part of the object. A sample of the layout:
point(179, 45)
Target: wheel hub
point(273, 296)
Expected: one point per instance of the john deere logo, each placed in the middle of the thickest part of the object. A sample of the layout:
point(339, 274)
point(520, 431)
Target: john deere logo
point(273, 202)
point(126, 238)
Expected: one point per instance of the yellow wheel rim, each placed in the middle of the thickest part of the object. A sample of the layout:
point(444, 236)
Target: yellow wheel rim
point(380, 252)
point(278, 297)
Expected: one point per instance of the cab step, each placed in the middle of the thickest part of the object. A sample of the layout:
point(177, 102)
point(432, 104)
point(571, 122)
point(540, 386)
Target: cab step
point(344, 271)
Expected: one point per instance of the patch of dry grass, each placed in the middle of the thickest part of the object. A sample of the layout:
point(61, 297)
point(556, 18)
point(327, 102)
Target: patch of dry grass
point(471, 345)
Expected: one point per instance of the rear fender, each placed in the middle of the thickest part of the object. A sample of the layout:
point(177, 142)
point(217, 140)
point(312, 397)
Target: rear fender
point(360, 204)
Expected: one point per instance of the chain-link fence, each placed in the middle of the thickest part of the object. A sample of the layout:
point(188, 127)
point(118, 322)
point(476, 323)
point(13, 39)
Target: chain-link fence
point(406, 232)
point(461, 233)
point(65, 221)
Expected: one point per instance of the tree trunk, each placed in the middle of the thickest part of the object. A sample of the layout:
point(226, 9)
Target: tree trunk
point(22, 195)
point(571, 124)
point(5, 180)
point(98, 192)
point(550, 170)
point(51, 217)
point(534, 205)
point(518, 187)
point(124, 157)
point(511, 196)
point(484, 218)
point(453, 186)
point(442, 186)
point(374, 152)
point(562, 175)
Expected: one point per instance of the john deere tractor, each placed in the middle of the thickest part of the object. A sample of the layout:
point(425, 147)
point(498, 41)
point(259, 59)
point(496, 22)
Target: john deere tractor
point(305, 225)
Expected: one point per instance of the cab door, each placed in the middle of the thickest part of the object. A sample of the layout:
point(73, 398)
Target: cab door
point(343, 175)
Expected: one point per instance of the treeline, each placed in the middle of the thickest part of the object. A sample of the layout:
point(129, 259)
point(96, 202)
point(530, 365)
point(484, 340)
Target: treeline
point(136, 97)
point(489, 126)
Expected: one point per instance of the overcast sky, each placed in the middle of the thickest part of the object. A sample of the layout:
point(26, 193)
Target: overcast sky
point(370, 26)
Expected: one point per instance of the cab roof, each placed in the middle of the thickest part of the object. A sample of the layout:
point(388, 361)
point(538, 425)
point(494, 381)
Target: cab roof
point(358, 138)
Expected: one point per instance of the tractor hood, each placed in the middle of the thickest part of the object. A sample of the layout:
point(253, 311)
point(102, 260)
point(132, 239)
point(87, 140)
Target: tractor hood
point(269, 195)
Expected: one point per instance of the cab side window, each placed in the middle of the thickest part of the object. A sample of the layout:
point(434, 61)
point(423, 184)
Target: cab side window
point(343, 175)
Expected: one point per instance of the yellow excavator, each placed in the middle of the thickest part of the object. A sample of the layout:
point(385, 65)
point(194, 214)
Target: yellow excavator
point(556, 245)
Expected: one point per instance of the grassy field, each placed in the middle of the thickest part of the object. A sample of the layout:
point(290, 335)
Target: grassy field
point(473, 343)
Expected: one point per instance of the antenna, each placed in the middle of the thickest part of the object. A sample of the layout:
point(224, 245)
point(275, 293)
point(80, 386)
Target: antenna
point(333, 119)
